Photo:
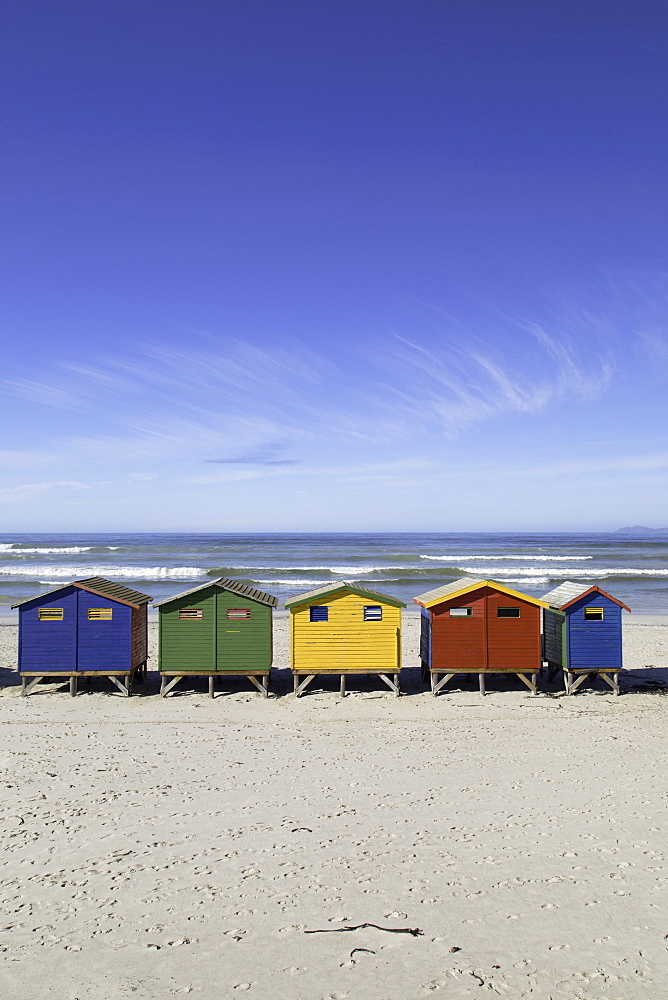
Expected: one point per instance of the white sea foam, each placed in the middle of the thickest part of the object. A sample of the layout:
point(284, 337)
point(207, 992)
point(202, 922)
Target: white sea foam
point(311, 584)
point(355, 570)
point(79, 572)
point(578, 572)
point(44, 550)
point(342, 570)
point(454, 560)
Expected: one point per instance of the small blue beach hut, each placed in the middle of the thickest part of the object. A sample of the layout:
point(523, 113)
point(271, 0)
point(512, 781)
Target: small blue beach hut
point(582, 634)
point(88, 628)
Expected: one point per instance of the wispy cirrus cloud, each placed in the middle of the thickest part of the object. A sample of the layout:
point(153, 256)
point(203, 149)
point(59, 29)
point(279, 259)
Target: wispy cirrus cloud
point(267, 454)
point(222, 401)
point(456, 380)
point(30, 491)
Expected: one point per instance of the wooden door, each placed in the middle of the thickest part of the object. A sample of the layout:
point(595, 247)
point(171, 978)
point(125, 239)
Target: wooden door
point(243, 633)
point(104, 634)
point(513, 634)
point(458, 638)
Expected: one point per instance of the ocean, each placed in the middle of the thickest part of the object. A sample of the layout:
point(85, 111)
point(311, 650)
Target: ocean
point(631, 568)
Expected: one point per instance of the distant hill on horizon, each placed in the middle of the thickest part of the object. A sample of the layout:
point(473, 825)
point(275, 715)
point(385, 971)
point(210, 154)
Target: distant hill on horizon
point(640, 529)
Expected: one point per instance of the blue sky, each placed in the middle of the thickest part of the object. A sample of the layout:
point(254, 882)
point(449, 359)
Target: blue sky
point(333, 266)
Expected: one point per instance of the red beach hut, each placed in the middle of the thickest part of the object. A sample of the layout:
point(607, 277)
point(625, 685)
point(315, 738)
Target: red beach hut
point(479, 627)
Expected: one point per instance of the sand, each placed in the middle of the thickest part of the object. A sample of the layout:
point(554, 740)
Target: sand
point(154, 848)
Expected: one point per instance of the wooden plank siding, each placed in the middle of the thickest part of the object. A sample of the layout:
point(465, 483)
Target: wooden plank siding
point(96, 633)
point(459, 642)
point(345, 642)
point(49, 645)
point(213, 642)
point(188, 644)
point(555, 643)
point(425, 637)
point(595, 644)
point(139, 650)
point(243, 643)
point(103, 644)
point(483, 641)
point(512, 643)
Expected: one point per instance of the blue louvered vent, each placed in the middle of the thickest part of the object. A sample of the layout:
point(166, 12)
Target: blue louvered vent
point(373, 613)
point(318, 614)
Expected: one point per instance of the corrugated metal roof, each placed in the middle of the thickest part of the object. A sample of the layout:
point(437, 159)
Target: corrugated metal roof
point(234, 586)
point(115, 591)
point(565, 593)
point(568, 592)
point(333, 588)
point(465, 585)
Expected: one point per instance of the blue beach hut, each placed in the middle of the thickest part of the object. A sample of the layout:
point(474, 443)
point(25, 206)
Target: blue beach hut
point(88, 628)
point(582, 634)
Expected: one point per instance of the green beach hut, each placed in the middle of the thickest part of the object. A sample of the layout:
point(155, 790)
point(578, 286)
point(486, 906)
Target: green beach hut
point(220, 628)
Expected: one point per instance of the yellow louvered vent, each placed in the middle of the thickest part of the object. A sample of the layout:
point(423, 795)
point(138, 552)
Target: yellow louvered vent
point(593, 614)
point(99, 614)
point(190, 614)
point(50, 614)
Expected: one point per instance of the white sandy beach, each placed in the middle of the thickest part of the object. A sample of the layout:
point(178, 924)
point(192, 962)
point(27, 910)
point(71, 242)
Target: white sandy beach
point(154, 848)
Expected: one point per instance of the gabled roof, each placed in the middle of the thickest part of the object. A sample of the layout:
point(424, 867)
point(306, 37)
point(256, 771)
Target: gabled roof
point(224, 584)
point(332, 589)
point(568, 593)
point(97, 585)
point(465, 585)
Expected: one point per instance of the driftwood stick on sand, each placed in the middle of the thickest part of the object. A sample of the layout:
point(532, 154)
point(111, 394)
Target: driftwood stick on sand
point(415, 931)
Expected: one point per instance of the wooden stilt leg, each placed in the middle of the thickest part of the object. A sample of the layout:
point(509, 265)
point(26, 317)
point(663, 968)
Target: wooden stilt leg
point(167, 685)
point(612, 680)
point(342, 686)
point(124, 685)
point(295, 678)
point(531, 684)
point(577, 682)
point(481, 681)
point(434, 682)
point(392, 681)
point(211, 683)
point(73, 685)
point(302, 685)
point(440, 681)
point(261, 683)
point(28, 685)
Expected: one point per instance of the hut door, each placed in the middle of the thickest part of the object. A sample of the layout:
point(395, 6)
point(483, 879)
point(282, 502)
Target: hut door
point(49, 634)
point(104, 633)
point(240, 633)
point(458, 635)
point(513, 634)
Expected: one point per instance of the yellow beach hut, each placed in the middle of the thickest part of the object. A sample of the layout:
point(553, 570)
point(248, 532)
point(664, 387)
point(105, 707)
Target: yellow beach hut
point(344, 629)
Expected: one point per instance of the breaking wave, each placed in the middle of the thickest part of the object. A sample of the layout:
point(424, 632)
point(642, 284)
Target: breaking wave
point(500, 572)
point(79, 572)
point(469, 556)
point(16, 550)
